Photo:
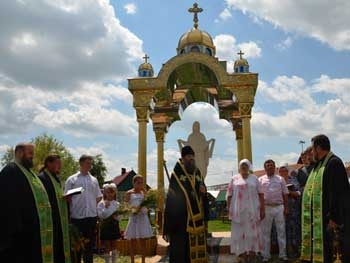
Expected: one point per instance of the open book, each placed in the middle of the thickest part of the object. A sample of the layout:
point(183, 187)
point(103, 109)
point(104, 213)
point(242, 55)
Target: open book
point(74, 191)
point(291, 187)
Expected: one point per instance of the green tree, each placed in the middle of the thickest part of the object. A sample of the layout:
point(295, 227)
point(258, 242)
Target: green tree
point(99, 169)
point(8, 156)
point(44, 145)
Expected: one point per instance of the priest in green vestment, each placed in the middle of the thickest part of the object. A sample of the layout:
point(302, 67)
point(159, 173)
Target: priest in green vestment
point(325, 206)
point(49, 176)
point(184, 224)
point(25, 221)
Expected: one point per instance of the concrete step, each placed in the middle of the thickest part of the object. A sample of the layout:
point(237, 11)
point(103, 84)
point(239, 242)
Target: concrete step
point(218, 243)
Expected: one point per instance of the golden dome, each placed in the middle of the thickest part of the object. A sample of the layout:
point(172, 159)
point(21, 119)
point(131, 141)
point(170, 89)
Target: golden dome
point(195, 37)
point(241, 65)
point(146, 66)
point(241, 62)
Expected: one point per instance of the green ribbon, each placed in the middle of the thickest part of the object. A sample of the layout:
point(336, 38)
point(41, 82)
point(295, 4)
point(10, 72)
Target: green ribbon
point(312, 219)
point(62, 206)
point(43, 207)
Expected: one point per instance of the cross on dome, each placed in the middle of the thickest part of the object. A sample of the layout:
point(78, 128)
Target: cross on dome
point(195, 10)
point(145, 58)
point(240, 53)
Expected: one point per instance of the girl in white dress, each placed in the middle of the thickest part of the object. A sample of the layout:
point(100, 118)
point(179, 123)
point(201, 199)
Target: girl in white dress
point(245, 202)
point(139, 227)
point(109, 228)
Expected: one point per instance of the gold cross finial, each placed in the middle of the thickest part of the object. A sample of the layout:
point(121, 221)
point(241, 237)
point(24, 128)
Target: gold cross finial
point(195, 9)
point(145, 58)
point(240, 53)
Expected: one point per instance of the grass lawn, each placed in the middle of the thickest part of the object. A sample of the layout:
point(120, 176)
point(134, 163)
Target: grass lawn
point(218, 226)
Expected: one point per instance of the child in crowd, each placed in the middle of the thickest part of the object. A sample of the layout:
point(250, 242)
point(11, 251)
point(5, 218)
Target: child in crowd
point(139, 227)
point(109, 228)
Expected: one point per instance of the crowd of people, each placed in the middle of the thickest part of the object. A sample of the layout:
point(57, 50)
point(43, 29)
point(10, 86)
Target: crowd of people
point(305, 212)
point(41, 215)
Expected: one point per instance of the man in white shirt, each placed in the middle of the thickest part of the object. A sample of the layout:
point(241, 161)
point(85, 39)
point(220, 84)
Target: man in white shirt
point(83, 207)
point(276, 207)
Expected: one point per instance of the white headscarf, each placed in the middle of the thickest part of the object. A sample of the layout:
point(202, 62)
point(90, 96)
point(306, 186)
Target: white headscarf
point(247, 162)
point(284, 165)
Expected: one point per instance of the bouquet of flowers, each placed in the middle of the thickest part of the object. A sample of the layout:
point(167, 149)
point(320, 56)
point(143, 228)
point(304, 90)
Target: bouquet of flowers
point(150, 201)
point(124, 208)
point(77, 241)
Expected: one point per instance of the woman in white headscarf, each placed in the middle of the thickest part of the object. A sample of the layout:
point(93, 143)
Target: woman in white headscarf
point(245, 201)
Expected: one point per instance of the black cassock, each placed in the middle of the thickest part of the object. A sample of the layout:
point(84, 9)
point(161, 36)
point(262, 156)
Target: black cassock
point(19, 222)
point(176, 215)
point(336, 206)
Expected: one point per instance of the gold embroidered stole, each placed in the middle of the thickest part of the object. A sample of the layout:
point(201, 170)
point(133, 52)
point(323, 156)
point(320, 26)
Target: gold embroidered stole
point(63, 211)
point(43, 208)
point(195, 222)
point(312, 218)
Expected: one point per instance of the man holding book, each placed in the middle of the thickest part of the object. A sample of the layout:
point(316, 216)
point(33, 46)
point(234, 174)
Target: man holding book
point(83, 207)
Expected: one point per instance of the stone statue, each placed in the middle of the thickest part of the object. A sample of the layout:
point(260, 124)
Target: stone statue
point(202, 148)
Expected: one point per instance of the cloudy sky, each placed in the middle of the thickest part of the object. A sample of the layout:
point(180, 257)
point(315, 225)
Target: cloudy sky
point(64, 66)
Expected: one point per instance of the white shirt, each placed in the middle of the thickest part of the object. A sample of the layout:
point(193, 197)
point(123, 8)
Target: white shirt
point(83, 205)
point(105, 212)
point(273, 187)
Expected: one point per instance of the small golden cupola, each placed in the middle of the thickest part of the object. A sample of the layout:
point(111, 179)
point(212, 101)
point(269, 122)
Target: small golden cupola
point(241, 65)
point(196, 40)
point(146, 69)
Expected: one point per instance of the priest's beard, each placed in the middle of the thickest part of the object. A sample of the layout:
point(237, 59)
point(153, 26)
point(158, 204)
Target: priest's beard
point(27, 163)
point(190, 167)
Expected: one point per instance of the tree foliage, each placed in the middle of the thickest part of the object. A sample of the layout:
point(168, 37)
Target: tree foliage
point(99, 169)
point(8, 156)
point(47, 144)
point(44, 145)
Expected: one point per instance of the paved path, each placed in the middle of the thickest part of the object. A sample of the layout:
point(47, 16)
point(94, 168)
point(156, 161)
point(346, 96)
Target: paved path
point(219, 242)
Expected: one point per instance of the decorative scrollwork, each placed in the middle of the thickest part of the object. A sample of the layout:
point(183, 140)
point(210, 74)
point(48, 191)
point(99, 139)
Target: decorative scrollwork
point(245, 109)
point(142, 114)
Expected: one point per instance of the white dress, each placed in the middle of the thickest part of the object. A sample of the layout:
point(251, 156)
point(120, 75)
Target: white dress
point(139, 225)
point(244, 212)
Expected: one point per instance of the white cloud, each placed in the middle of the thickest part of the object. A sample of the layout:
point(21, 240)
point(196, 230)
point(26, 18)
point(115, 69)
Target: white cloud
point(324, 20)
point(226, 49)
point(339, 86)
point(251, 49)
point(287, 89)
point(63, 46)
point(130, 8)
point(285, 44)
point(87, 121)
point(86, 112)
point(224, 15)
point(208, 121)
point(61, 70)
point(98, 94)
point(307, 117)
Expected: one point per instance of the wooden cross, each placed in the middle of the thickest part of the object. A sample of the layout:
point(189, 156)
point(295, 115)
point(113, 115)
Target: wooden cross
point(195, 10)
point(240, 53)
point(145, 58)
